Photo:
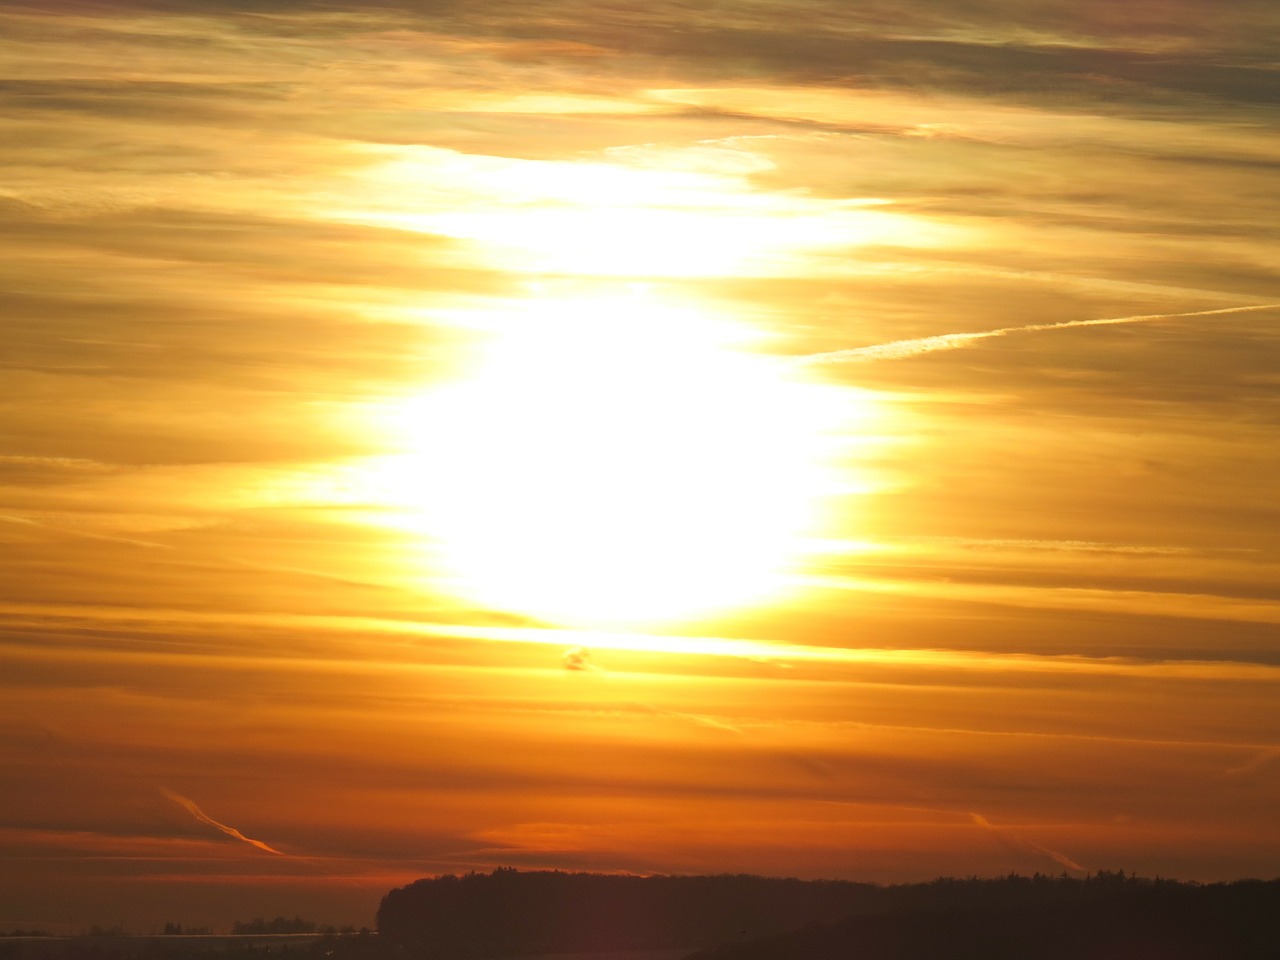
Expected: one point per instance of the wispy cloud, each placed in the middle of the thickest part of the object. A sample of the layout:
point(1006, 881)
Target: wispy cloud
point(902, 349)
point(690, 645)
point(1260, 762)
point(699, 719)
point(191, 808)
point(82, 534)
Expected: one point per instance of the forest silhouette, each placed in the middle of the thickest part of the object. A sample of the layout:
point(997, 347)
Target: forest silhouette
point(1104, 916)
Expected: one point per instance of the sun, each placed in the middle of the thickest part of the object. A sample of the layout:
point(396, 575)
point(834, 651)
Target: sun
point(613, 461)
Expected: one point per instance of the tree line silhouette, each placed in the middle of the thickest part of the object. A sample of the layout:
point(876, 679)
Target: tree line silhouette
point(1103, 917)
point(1107, 915)
point(509, 912)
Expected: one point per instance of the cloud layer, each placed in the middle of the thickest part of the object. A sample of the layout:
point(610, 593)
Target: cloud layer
point(238, 244)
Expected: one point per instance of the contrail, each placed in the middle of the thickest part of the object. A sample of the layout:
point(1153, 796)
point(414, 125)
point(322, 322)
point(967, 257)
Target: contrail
point(195, 811)
point(901, 349)
point(1005, 837)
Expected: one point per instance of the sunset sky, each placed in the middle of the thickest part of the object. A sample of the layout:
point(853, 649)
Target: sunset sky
point(805, 438)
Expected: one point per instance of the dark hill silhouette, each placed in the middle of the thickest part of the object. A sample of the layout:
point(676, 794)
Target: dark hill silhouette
point(1104, 917)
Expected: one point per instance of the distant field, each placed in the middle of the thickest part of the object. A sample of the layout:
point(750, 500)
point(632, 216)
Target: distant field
point(148, 945)
point(671, 954)
point(214, 945)
point(239, 939)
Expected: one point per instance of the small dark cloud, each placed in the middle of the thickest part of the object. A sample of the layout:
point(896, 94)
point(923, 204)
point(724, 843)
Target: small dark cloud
point(578, 658)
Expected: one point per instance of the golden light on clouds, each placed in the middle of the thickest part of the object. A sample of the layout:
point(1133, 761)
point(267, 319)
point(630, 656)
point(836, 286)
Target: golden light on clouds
point(878, 402)
point(644, 212)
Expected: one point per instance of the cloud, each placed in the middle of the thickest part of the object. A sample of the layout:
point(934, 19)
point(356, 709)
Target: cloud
point(1055, 546)
point(37, 617)
point(197, 324)
point(55, 530)
point(578, 658)
point(195, 811)
point(699, 719)
point(902, 349)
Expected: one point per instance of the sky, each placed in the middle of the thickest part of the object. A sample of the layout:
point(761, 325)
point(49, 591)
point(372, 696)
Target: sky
point(808, 439)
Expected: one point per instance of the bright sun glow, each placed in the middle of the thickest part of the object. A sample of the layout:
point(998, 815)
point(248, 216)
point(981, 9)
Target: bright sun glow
point(613, 461)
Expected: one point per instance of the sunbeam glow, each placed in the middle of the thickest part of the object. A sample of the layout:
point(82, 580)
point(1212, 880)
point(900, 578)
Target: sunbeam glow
point(615, 460)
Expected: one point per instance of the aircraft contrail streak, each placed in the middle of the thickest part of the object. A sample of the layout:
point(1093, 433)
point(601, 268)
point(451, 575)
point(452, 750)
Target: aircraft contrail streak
point(901, 349)
point(1013, 840)
point(195, 811)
